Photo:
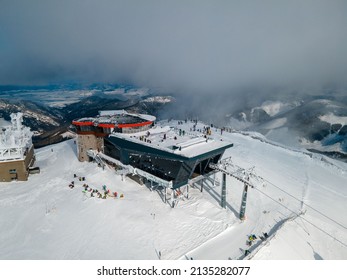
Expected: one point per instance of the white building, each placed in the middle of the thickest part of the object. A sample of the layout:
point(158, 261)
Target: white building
point(16, 150)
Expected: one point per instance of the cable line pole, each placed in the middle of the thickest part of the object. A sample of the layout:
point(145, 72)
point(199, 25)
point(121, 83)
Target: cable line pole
point(228, 168)
point(243, 203)
point(223, 195)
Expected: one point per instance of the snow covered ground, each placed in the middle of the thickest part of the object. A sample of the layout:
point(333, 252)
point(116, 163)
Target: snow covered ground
point(302, 207)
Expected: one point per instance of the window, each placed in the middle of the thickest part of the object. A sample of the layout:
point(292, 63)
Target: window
point(13, 171)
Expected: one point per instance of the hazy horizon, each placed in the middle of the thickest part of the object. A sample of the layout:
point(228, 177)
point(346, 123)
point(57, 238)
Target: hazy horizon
point(190, 46)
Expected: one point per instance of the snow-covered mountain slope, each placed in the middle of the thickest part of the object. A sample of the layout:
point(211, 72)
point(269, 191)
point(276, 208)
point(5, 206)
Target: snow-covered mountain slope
point(32, 112)
point(317, 124)
point(273, 108)
point(159, 99)
point(301, 207)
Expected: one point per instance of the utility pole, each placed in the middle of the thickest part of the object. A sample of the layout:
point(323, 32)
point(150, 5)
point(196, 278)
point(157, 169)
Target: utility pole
point(223, 195)
point(172, 198)
point(243, 202)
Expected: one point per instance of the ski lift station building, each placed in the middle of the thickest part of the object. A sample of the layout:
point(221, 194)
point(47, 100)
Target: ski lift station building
point(166, 155)
point(16, 150)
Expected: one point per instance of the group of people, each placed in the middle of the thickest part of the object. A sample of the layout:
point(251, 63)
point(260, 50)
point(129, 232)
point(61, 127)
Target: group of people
point(106, 192)
point(251, 238)
point(95, 192)
point(79, 177)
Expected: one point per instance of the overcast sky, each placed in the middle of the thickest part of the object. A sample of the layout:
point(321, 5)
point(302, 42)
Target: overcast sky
point(182, 45)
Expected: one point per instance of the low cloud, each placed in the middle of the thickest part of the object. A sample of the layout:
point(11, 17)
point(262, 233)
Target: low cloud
point(192, 47)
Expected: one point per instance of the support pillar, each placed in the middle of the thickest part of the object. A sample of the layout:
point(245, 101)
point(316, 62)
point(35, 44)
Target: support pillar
point(202, 185)
point(223, 194)
point(243, 202)
point(214, 179)
point(172, 198)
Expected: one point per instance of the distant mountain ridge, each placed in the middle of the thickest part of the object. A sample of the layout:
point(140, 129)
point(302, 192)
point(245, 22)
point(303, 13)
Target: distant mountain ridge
point(318, 124)
point(51, 123)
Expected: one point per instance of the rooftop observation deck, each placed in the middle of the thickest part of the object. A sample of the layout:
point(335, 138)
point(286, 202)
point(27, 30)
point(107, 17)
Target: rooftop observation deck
point(185, 139)
point(117, 118)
